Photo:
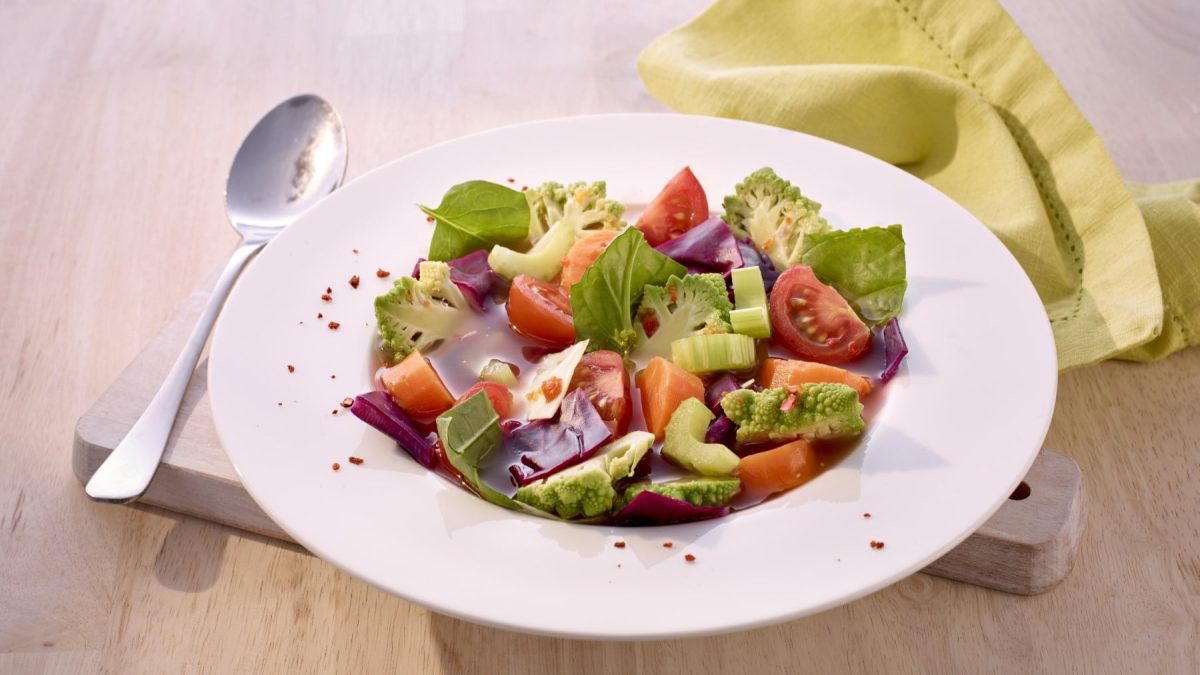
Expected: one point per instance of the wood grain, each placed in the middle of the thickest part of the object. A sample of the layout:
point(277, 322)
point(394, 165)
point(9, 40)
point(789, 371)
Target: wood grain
point(1027, 547)
point(119, 123)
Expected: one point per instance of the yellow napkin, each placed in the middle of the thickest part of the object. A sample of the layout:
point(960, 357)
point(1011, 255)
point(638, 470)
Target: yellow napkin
point(952, 92)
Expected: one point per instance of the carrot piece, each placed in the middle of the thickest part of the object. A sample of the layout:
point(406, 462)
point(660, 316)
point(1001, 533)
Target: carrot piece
point(416, 387)
point(663, 386)
point(582, 254)
point(778, 469)
point(788, 372)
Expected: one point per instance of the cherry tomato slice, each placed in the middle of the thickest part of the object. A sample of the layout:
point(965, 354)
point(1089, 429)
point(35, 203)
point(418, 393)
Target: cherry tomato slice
point(680, 206)
point(814, 321)
point(541, 311)
point(498, 394)
point(603, 378)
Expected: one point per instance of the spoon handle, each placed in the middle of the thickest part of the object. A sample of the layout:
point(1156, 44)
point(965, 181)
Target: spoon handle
point(126, 474)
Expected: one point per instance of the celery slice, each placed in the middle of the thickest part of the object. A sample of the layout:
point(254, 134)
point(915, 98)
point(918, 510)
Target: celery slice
point(752, 321)
point(748, 288)
point(713, 352)
point(499, 372)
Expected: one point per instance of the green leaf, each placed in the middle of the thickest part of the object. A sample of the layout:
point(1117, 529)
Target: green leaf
point(469, 432)
point(865, 265)
point(476, 215)
point(602, 302)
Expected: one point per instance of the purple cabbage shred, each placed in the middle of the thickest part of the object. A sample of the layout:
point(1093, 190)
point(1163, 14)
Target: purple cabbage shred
point(545, 447)
point(651, 508)
point(894, 349)
point(379, 410)
point(707, 247)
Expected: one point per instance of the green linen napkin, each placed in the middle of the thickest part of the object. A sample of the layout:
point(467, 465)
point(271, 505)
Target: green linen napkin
point(952, 92)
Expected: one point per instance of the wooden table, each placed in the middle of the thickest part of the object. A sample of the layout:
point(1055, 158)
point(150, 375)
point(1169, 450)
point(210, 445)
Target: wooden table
point(119, 124)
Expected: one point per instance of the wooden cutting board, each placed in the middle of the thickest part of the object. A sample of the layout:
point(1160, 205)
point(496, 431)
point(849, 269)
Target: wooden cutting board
point(1027, 547)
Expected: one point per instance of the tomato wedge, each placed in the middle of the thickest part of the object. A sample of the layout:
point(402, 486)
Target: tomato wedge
point(582, 254)
point(814, 321)
point(603, 378)
point(499, 395)
point(680, 206)
point(541, 311)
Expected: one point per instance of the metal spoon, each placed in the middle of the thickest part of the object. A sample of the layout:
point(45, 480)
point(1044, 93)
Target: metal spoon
point(293, 157)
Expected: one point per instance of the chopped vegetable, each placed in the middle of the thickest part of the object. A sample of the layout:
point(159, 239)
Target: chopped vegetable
point(722, 431)
point(416, 387)
point(650, 508)
point(753, 257)
point(716, 390)
point(545, 208)
point(779, 469)
point(542, 262)
point(472, 274)
point(707, 247)
point(695, 491)
point(813, 321)
point(602, 302)
point(583, 255)
point(865, 265)
point(500, 372)
point(541, 311)
point(817, 411)
point(498, 395)
point(752, 321)
point(894, 349)
point(541, 396)
point(710, 353)
point(680, 206)
point(684, 444)
point(587, 489)
point(776, 216)
point(602, 377)
point(544, 447)
point(377, 409)
point(748, 289)
point(697, 304)
point(663, 386)
point(470, 432)
point(475, 215)
point(418, 314)
point(788, 372)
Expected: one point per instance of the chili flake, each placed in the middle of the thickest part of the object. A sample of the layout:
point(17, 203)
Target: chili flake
point(354, 281)
point(326, 297)
point(355, 460)
point(690, 558)
point(668, 544)
point(333, 325)
point(866, 515)
point(382, 273)
point(336, 466)
point(291, 368)
point(347, 402)
point(429, 219)
point(876, 544)
point(619, 544)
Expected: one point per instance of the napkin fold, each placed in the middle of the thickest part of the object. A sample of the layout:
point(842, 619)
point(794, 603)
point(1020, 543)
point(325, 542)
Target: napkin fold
point(952, 92)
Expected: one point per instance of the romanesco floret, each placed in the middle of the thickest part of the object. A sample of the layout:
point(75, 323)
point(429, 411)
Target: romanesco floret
point(696, 491)
point(816, 411)
point(419, 313)
point(775, 215)
point(697, 304)
point(588, 209)
point(587, 489)
point(545, 207)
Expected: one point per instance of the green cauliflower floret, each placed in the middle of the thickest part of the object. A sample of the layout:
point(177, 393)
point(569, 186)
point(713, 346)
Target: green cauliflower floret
point(775, 215)
point(587, 489)
point(416, 314)
point(545, 207)
point(696, 491)
point(588, 209)
point(819, 410)
point(697, 304)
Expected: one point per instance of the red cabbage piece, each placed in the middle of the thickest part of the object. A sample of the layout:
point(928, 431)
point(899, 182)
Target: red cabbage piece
point(651, 508)
point(894, 349)
point(717, 389)
point(471, 273)
point(722, 430)
point(707, 247)
point(753, 257)
point(546, 447)
point(379, 410)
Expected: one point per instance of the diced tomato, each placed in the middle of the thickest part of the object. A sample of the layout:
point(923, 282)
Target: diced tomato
point(791, 372)
point(778, 469)
point(680, 206)
point(417, 388)
point(498, 394)
point(582, 254)
point(663, 386)
point(541, 311)
point(603, 378)
point(814, 321)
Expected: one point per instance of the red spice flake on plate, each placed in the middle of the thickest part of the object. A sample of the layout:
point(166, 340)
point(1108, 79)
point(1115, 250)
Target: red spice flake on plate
point(876, 544)
point(382, 273)
point(333, 325)
point(326, 297)
point(280, 404)
point(668, 544)
point(354, 251)
point(355, 460)
point(429, 219)
point(336, 466)
point(619, 544)
point(866, 515)
point(511, 180)
point(354, 281)
point(347, 402)
point(291, 368)
point(334, 412)
point(690, 558)
point(320, 315)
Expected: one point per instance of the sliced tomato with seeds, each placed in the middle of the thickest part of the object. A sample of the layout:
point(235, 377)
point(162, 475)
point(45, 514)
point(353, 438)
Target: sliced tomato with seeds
point(680, 206)
point(603, 378)
point(499, 396)
point(814, 321)
point(541, 311)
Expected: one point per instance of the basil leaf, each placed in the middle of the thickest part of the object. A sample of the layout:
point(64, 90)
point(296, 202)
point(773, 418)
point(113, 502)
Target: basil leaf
point(475, 215)
point(470, 431)
point(602, 302)
point(865, 265)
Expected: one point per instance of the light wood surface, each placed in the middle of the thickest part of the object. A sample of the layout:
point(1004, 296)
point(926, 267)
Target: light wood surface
point(119, 121)
point(1026, 547)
